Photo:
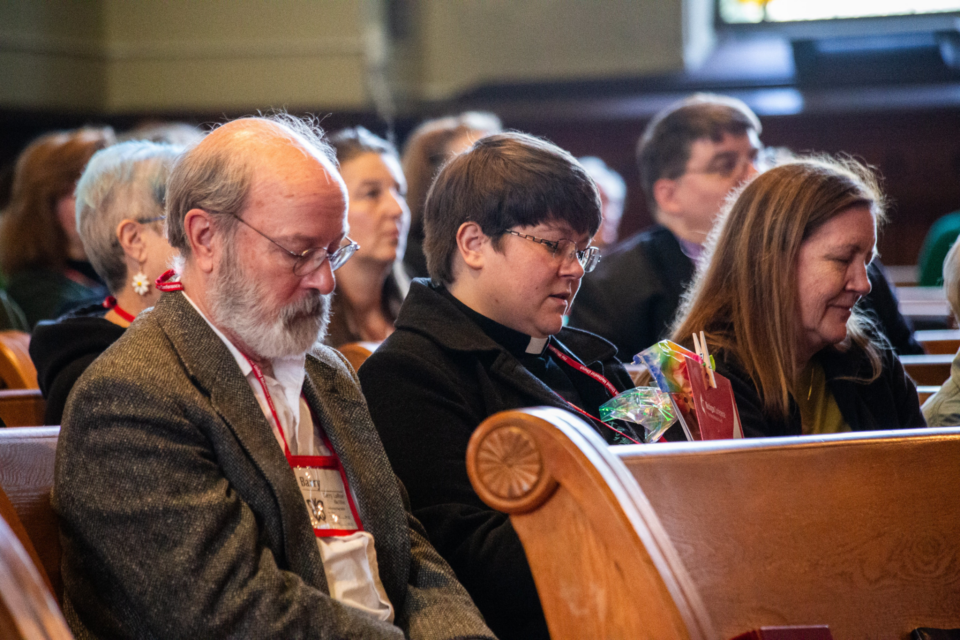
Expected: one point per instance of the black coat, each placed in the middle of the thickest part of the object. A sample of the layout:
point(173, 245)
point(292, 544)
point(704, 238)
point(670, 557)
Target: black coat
point(633, 295)
point(889, 402)
point(429, 385)
point(63, 349)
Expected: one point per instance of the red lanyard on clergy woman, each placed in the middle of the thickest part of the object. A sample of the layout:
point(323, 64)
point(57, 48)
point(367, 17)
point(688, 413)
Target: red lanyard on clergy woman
point(596, 376)
point(322, 479)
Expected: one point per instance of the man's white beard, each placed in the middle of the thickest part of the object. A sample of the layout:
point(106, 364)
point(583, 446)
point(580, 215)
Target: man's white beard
point(237, 306)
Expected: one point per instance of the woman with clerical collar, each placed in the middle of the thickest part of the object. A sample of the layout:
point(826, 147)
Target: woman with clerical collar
point(508, 230)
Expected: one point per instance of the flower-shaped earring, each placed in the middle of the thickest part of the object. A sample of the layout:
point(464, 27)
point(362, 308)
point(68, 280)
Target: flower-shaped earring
point(141, 284)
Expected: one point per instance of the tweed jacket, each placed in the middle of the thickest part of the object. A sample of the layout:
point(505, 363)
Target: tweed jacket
point(180, 517)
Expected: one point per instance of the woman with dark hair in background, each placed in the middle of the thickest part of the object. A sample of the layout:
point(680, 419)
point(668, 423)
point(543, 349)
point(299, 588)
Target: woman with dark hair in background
point(41, 253)
point(371, 286)
point(777, 298)
point(429, 146)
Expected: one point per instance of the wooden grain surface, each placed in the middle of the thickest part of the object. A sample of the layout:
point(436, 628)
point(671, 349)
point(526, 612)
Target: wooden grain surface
point(27, 610)
point(21, 407)
point(859, 534)
point(26, 475)
point(928, 369)
point(16, 367)
point(357, 352)
point(600, 572)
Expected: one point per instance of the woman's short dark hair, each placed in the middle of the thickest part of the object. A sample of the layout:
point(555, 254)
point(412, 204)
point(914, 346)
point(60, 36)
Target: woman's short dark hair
point(503, 181)
point(354, 141)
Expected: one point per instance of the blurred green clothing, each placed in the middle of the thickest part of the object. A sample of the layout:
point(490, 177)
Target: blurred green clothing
point(940, 238)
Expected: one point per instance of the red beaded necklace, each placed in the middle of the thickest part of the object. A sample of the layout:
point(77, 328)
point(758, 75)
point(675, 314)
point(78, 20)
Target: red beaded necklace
point(111, 303)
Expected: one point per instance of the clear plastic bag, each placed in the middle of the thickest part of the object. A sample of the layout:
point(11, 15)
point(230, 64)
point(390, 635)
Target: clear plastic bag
point(647, 406)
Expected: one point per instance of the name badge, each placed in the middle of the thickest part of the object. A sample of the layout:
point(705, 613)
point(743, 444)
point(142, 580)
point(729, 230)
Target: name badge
point(326, 495)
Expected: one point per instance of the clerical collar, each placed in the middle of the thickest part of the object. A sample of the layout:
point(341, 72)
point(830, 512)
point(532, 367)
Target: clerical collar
point(516, 342)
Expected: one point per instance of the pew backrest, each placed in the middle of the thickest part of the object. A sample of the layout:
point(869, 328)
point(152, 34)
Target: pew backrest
point(22, 407)
point(357, 352)
point(27, 609)
point(856, 531)
point(925, 370)
point(16, 368)
point(938, 340)
point(26, 477)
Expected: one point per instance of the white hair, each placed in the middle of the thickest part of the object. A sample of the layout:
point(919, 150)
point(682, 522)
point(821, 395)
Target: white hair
point(124, 181)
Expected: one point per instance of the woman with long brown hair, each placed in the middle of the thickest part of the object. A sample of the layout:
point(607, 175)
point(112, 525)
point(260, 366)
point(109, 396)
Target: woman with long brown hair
point(371, 286)
point(777, 298)
point(41, 254)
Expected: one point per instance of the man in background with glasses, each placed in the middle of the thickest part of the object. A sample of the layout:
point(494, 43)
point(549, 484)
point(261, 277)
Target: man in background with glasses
point(508, 229)
point(691, 156)
point(218, 474)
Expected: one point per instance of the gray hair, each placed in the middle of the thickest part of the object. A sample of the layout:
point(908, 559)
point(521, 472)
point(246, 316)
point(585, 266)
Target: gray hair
point(125, 181)
point(216, 175)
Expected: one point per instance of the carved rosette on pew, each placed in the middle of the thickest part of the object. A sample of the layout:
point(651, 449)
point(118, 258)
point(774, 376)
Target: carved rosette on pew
point(510, 469)
point(602, 563)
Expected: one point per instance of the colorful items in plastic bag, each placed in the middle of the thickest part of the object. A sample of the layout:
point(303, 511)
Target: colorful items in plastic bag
point(646, 406)
point(665, 361)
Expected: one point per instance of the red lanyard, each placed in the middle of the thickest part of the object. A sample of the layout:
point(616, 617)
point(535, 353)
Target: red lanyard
point(165, 282)
point(111, 303)
point(327, 462)
point(596, 376)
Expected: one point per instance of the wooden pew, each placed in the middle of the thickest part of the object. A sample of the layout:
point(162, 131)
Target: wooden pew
point(925, 391)
point(21, 407)
point(357, 352)
point(27, 609)
point(16, 367)
point(930, 370)
point(939, 341)
point(26, 477)
point(855, 531)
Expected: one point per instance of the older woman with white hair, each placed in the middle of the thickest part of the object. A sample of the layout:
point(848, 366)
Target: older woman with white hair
point(942, 409)
point(120, 200)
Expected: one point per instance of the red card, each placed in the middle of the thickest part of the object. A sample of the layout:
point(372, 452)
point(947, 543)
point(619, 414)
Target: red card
point(716, 408)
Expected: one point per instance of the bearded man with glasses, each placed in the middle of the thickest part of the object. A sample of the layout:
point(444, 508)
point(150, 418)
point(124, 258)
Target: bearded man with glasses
point(218, 474)
point(508, 230)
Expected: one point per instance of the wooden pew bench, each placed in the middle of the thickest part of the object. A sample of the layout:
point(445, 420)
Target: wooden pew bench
point(26, 477)
point(22, 407)
point(710, 540)
point(928, 369)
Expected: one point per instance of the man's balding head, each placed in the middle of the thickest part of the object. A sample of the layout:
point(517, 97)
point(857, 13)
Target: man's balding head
point(218, 174)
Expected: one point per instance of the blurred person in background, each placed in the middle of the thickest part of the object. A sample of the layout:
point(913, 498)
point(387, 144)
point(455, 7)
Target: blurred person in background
point(613, 193)
point(41, 254)
point(180, 134)
point(942, 409)
point(429, 146)
point(691, 156)
point(120, 220)
point(777, 293)
point(371, 286)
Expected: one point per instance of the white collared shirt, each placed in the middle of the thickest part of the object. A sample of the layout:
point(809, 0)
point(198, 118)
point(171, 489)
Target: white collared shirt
point(349, 562)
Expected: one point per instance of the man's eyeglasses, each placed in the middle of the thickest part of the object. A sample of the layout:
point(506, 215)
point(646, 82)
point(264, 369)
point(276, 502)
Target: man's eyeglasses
point(310, 260)
point(149, 220)
point(566, 251)
point(731, 163)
